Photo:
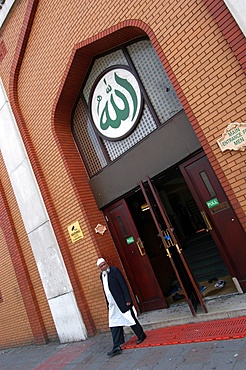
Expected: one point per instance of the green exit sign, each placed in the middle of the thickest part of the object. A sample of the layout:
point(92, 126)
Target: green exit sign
point(212, 203)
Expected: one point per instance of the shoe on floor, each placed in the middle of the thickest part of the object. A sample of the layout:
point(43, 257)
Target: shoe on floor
point(220, 284)
point(202, 288)
point(141, 339)
point(114, 352)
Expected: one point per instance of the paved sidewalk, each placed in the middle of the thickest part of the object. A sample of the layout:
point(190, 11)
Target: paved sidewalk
point(91, 355)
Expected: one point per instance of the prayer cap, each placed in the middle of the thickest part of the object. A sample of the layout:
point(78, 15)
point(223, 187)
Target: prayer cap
point(100, 260)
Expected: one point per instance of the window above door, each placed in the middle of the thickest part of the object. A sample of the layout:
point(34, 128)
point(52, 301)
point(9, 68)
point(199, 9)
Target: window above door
point(160, 104)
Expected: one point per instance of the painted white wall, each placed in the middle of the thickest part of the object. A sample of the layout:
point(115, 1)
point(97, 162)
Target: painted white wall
point(58, 289)
point(238, 11)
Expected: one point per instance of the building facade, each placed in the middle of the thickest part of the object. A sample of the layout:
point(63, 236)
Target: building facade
point(122, 135)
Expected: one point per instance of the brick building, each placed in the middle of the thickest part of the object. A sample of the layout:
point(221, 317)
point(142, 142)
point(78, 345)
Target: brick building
point(122, 135)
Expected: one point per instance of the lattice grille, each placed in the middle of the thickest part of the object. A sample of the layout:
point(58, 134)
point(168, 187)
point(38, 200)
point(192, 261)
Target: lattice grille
point(155, 80)
point(145, 127)
point(87, 139)
point(160, 92)
point(99, 66)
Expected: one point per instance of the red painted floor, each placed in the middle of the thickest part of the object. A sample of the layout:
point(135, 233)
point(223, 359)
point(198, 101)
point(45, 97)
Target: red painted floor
point(191, 333)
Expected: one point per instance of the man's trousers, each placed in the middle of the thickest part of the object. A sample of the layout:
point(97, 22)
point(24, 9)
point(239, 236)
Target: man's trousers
point(118, 332)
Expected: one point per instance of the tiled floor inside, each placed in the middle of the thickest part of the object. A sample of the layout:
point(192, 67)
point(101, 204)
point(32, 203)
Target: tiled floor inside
point(208, 289)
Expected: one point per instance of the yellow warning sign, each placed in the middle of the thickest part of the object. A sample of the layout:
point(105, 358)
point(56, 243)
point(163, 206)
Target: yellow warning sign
point(75, 231)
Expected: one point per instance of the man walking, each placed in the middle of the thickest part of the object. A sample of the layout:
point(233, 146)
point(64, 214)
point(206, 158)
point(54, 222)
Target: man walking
point(120, 308)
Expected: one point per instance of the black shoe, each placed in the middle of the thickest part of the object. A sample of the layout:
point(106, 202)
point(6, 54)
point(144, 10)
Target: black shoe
point(114, 352)
point(141, 339)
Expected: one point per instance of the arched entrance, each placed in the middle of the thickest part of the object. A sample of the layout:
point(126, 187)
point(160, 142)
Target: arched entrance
point(158, 144)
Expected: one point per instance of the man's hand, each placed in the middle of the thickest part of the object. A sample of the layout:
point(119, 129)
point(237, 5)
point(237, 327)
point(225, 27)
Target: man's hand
point(128, 303)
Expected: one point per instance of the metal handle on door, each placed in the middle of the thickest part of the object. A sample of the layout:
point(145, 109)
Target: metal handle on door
point(206, 220)
point(140, 247)
point(168, 238)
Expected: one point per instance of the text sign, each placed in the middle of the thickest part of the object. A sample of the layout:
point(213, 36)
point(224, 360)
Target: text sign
point(130, 240)
point(75, 232)
point(234, 137)
point(212, 203)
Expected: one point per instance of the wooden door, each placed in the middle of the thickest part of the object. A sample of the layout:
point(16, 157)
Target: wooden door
point(134, 258)
point(189, 286)
point(220, 218)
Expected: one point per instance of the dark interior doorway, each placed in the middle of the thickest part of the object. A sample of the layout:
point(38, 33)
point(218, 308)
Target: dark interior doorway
point(198, 247)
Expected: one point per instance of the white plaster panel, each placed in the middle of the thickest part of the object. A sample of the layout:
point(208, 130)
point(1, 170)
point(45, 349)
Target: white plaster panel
point(49, 261)
point(3, 97)
point(10, 139)
point(53, 273)
point(28, 197)
point(67, 317)
point(238, 11)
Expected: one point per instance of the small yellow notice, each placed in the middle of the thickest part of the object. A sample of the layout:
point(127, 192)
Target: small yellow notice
point(75, 232)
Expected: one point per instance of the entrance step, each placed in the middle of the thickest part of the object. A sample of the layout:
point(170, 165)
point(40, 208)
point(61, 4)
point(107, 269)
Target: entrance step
point(203, 257)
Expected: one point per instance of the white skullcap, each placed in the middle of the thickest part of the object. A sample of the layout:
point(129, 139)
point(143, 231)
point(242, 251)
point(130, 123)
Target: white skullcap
point(100, 260)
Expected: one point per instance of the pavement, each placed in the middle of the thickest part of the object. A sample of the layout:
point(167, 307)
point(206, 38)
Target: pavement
point(91, 353)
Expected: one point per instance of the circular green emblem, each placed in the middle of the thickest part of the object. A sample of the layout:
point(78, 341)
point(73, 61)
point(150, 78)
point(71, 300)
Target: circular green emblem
point(116, 103)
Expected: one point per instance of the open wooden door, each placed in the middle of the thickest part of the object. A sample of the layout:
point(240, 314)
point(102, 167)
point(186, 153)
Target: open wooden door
point(173, 249)
point(219, 217)
point(134, 258)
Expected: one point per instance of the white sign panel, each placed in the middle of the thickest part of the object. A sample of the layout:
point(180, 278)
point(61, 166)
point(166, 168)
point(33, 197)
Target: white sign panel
point(116, 103)
point(234, 137)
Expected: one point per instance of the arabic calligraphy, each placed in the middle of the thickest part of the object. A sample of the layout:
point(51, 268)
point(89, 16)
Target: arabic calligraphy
point(120, 114)
point(116, 102)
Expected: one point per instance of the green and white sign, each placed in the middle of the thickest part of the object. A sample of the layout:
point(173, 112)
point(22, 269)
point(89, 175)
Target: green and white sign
point(234, 137)
point(130, 240)
point(116, 103)
point(212, 203)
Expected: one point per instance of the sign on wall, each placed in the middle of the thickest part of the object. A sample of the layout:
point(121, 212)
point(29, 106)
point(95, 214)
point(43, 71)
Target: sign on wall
point(75, 231)
point(115, 103)
point(234, 137)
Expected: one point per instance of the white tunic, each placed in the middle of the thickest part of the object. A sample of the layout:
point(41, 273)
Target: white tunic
point(115, 316)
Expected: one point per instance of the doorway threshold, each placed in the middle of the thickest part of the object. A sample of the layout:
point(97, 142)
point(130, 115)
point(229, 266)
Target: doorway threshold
point(215, 287)
point(219, 307)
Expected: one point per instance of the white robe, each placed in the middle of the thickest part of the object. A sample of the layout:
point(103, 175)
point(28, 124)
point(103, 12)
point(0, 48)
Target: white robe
point(115, 316)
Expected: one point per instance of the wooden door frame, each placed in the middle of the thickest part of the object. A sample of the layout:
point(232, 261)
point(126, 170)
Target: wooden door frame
point(232, 250)
point(128, 269)
point(214, 234)
point(168, 238)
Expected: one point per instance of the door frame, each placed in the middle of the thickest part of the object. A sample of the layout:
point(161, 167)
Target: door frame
point(231, 257)
point(174, 250)
point(202, 208)
point(155, 299)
